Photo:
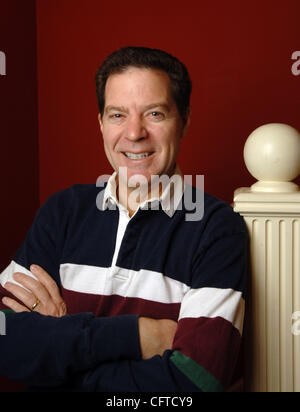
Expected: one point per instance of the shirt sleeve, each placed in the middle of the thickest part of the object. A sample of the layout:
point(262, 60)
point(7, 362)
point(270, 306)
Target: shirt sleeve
point(43, 350)
point(207, 342)
point(47, 351)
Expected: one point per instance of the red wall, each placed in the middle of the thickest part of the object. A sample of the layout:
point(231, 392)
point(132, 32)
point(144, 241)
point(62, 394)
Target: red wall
point(18, 129)
point(238, 54)
point(18, 125)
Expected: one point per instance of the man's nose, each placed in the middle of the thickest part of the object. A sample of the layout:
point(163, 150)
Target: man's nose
point(136, 129)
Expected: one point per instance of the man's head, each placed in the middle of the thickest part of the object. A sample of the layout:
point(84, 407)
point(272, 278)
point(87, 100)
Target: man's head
point(144, 110)
point(143, 57)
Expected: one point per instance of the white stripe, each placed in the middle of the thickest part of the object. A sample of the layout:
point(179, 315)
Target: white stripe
point(13, 267)
point(212, 302)
point(123, 222)
point(84, 279)
point(144, 284)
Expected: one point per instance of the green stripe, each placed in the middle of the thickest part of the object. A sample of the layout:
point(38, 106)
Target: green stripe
point(196, 373)
point(6, 311)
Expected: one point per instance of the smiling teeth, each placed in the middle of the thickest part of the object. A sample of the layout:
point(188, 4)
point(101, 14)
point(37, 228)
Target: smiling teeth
point(137, 155)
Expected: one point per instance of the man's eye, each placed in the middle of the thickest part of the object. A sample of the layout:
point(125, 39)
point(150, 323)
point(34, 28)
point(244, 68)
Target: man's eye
point(157, 115)
point(115, 116)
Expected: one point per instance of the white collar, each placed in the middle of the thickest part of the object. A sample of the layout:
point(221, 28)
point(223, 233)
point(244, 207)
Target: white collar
point(169, 199)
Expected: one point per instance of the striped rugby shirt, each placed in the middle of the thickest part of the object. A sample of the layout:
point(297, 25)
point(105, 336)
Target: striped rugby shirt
point(112, 269)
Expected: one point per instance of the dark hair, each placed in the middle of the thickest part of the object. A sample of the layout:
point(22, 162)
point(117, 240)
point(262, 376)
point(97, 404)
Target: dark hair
point(143, 57)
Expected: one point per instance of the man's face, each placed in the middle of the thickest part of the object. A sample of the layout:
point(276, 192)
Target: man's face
point(141, 126)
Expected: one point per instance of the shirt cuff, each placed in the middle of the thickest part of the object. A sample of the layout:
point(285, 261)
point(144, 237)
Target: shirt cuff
point(115, 338)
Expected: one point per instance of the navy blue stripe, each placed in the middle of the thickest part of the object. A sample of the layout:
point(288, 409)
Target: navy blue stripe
point(75, 231)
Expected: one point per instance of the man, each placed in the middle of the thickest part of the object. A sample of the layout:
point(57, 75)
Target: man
point(155, 301)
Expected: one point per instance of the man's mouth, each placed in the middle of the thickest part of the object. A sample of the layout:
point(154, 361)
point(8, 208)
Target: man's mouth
point(137, 156)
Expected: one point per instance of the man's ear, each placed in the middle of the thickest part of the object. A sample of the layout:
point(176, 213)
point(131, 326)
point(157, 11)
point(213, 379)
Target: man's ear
point(100, 122)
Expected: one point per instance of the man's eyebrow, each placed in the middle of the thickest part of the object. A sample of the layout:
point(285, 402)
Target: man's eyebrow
point(145, 108)
point(160, 104)
point(115, 108)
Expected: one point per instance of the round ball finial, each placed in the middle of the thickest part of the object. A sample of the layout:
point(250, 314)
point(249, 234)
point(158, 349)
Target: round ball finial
point(272, 156)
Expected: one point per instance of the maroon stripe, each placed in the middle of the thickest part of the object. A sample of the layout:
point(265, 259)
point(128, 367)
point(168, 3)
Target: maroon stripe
point(214, 343)
point(116, 305)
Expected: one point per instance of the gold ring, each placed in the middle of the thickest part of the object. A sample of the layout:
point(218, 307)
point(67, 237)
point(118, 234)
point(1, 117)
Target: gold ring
point(35, 305)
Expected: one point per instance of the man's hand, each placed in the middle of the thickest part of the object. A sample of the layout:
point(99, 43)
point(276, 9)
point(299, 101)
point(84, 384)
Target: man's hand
point(156, 336)
point(40, 295)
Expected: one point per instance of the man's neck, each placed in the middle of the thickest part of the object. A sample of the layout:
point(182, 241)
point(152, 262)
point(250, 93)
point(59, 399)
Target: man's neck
point(132, 197)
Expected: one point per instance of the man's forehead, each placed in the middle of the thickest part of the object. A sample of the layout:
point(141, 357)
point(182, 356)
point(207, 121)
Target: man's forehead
point(135, 74)
point(150, 86)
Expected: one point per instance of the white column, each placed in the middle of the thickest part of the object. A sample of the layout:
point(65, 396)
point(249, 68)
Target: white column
point(271, 209)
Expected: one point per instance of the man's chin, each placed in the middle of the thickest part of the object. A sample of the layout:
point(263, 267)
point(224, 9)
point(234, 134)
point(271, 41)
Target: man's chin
point(136, 179)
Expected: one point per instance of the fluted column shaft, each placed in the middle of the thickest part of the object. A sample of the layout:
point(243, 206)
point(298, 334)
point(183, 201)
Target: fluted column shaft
point(271, 210)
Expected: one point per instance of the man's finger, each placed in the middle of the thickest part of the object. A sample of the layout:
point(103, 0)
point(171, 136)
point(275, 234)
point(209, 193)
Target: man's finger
point(34, 286)
point(20, 293)
point(14, 305)
point(48, 282)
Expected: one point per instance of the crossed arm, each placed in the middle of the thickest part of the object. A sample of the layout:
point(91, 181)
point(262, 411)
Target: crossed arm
point(155, 336)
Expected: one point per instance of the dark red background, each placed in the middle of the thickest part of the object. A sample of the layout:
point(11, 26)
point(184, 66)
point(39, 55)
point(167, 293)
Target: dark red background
point(238, 54)
point(18, 130)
